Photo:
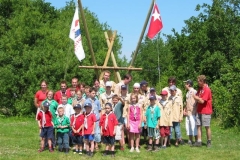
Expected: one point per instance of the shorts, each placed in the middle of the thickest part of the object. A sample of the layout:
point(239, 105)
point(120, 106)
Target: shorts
point(164, 131)
point(47, 132)
point(89, 137)
point(97, 135)
point(153, 132)
point(203, 119)
point(77, 140)
point(108, 140)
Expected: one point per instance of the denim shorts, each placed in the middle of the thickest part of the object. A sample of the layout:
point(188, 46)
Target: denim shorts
point(47, 132)
point(89, 137)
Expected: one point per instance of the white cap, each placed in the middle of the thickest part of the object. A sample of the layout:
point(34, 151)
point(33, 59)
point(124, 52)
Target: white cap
point(108, 84)
point(136, 85)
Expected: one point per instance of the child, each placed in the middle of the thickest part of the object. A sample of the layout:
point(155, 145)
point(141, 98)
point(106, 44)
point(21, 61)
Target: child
point(96, 109)
point(68, 109)
point(79, 100)
point(44, 118)
point(134, 121)
point(108, 123)
point(177, 111)
point(77, 124)
point(73, 96)
point(89, 125)
point(152, 120)
point(166, 118)
point(106, 97)
point(62, 124)
point(118, 105)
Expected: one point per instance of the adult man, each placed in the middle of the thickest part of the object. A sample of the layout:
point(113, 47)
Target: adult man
point(63, 91)
point(144, 88)
point(106, 77)
point(172, 81)
point(204, 110)
point(190, 112)
point(74, 85)
point(126, 80)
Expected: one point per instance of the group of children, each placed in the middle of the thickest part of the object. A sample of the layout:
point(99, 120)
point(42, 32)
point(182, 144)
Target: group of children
point(108, 117)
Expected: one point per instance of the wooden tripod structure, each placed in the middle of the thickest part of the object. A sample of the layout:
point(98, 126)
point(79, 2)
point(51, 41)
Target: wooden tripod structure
point(110, 37)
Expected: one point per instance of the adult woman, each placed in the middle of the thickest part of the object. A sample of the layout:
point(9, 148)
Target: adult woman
point(41, 95)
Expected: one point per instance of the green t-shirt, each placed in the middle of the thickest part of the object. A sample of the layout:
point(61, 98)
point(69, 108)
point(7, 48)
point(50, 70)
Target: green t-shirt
point(52, 108)
point(118, 111)
point(153, 113)
point(71, 99)
point(62, 121)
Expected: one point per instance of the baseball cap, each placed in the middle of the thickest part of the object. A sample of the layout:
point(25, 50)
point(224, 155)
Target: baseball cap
point(173, 88)
point(46, 104)
point(123, 87)
point(143, 82)
point(136, 85)
point(164, 92)
point(152, 98)
point(77, 106)
point(88, 105)
point(108, 84)
point(189, 81)
point(152, 90)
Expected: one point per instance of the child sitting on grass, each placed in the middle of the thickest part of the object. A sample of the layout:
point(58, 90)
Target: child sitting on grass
point(62, 123)
point(77, 124)
point(108, 123)
point(44, 118)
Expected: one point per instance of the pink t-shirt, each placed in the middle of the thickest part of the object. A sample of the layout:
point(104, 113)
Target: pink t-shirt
point(134, 113)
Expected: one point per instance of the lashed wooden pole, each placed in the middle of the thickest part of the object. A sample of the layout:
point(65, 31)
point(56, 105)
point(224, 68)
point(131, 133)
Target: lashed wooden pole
point(88, 36)
point(141, 36)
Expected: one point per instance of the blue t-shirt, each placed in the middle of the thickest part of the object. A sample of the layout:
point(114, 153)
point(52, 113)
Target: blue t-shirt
point(152, 114)
point(96, 107)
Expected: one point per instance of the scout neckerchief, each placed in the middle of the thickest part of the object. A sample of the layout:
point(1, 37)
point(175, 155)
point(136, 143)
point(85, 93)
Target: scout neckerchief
point(85, 120)
point(60, 120)
point(135, 110)
point(49, 101)
point(43, 118)
point(173, 98)
point(152, 108)
point(75, 118)
point(163, 102)
point(108, 97)
point(106, 120)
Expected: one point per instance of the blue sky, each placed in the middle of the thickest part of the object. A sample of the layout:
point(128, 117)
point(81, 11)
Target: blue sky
point(128, 16)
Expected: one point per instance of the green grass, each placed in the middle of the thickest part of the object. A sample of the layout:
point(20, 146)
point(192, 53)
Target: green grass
point(19, 140)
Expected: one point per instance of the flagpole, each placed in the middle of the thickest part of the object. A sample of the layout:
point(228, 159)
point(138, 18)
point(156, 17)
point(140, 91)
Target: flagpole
point(158, 62)
point(88, 36)
point(142, 34)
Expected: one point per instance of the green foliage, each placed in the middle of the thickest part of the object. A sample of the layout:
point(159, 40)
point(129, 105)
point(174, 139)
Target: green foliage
point(34, 45)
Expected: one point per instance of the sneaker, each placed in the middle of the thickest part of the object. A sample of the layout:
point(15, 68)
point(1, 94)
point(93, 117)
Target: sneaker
point(156, 148)
point(137, 149)
point(189, 143)
point(163, 147)
point(132, 149)
point(40, 150)
point(80, 152)
point(181, 142)
point(209, 144)
point(90, 154)
point(121, 148)
point(75, 152)
point(197, 144)
point(149, 148)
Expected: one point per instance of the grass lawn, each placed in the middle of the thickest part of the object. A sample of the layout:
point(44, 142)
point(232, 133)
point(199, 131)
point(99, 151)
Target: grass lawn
point(19, 140)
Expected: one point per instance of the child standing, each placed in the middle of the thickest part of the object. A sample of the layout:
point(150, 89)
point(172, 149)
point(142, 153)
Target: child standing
point(153, 114)
point(108, 123)
point(134, 121)
point(77, 124)
point(79, 100)
point(62, 123)
point(89, 125)
point(44, 118)
point(72, 97)
point(166, 118)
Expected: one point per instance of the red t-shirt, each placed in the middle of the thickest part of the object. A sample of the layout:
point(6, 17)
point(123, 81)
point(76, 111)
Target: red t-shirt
point(58, 96)
point(112, 122)
point(48, 117)
point(206, 94)
point(91, 119)
point(41, 96)
point(78, 123)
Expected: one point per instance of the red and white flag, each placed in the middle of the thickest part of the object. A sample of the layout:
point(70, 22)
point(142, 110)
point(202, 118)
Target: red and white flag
point(156, 23)
point(75, 35)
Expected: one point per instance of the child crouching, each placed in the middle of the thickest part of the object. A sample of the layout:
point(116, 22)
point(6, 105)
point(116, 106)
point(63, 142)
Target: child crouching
point(62, 124)
point(108, 124)
point(77, 124)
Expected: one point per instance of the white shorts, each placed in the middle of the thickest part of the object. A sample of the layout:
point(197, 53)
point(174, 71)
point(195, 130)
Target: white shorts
point(191, 127)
